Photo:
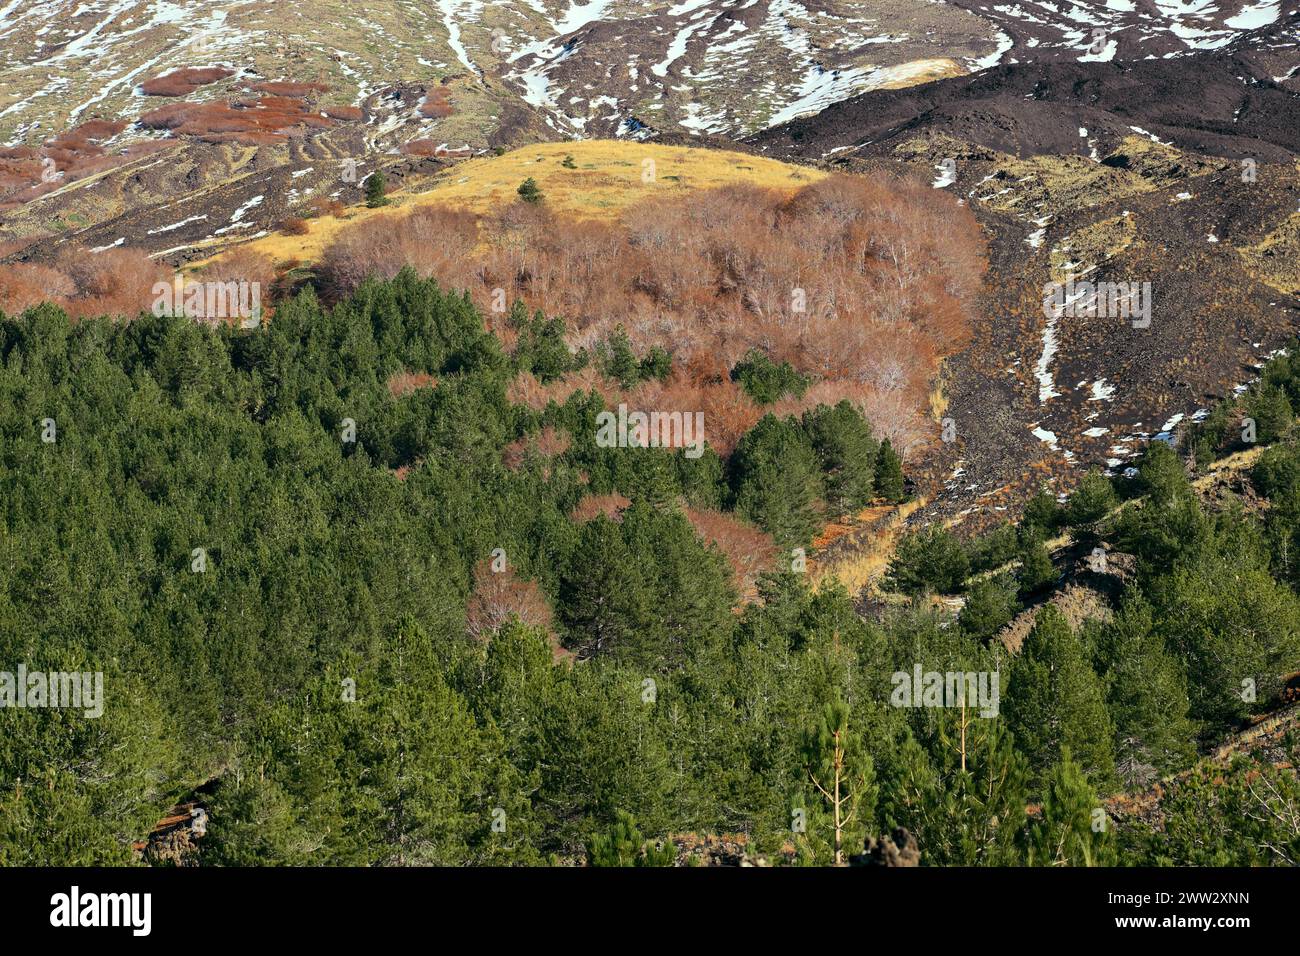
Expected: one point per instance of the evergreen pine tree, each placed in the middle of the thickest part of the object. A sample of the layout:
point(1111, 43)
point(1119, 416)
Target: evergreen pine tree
point(1055, 700)
point(529, 191)
point(1073, 829)
point(1091, 501)
point(889, 474)
point(960, 817)
point(1037, 573)
point(1042, 514)
point(841, 772)
point(930, 560)
point(990, 605)
point(623, 845)
point(376, 186)
point(602, 593)
point(847, 451)
point(1147, 698)
point(1269, 406)
point(775, 481)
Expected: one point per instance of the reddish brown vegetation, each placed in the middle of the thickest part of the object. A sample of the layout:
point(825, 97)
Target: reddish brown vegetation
point(549, 443)
point(267, 119)
point(295, 226)
point(861, 283)
point(437, 103)
point(611, 506)
point(118, 282)
point(244, 265)
point(327, 206)
point(749, 551)
point(26, 172)
point(404, 383)
point(525, 389)
point(427, 147)
point(184, 81)
point(501, 595)
point(84, 284)
point(434, 240)
point(420, 147)
point(96, 130)
point(349, 113)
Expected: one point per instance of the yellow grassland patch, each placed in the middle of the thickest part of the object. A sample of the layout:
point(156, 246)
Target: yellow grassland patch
point(1275, 260)
point(916, 72)
point(607, 177)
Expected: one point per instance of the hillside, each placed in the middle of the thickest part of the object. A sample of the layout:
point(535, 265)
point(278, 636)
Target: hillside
point(607, 176)
point(1094, 172)
point(595, 433)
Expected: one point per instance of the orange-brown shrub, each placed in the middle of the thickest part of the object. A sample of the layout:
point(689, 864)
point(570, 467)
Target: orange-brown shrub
point(498, 596)
point(116, 281)
point(434, 240)
point(350, 113)
point(295, 226)
point(23, 285)
point(611, 506)
point(420, 147)
point(240, 264)
point(267, 119)
point(525, 389)
point(404, 383)
point(550, 442)
point(862, 283)
point(184, 81)
point(437, 103)
point(748, 551)
point(327, 206)
point(73, 154)
point(244, 265)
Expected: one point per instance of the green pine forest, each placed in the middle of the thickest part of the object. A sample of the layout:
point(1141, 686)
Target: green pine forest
point(281, 619)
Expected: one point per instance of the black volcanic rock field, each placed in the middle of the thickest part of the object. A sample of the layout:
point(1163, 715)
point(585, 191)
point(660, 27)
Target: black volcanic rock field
point(1176, 172)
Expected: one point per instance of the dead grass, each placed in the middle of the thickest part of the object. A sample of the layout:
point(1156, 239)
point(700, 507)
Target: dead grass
point(1275, 260)
point(861, 565)
point(607, 180)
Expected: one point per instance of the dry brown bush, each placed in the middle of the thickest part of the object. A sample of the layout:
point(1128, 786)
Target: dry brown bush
point(611, 506)
point(525, 389)
point(750, 552)
point(404, 383)
point(184, 81)
point(862, 283)
point(420, 147)
point(241, 264)
point(434, 240)
point(327, 206)
point(498, 596)
point(263, 120)
point(437, 103)
point(350, 113)
point(550, 442)
point(244, 265)
point(73, 154)
point(23, 285)
point(111, 282)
